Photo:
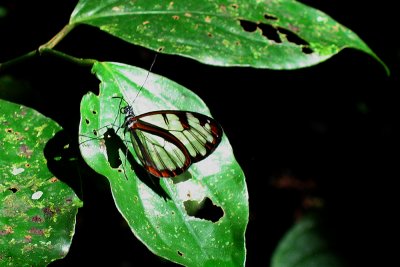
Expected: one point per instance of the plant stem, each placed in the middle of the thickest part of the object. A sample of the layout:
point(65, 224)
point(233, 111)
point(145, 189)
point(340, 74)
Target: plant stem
point(17, 60)
point(79, 61)
point(47, 49)
point(58, 37)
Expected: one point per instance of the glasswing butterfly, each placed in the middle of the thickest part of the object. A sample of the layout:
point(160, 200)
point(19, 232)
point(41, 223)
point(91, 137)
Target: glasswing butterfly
point(167, 142)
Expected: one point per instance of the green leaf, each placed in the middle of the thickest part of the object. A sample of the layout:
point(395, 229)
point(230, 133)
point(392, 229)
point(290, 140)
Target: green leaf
point(275, 34)
point(37, 211)
point(155, 209)
point(306, 244)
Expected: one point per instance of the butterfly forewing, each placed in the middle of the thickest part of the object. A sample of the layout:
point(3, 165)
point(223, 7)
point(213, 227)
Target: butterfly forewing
point(167, 142)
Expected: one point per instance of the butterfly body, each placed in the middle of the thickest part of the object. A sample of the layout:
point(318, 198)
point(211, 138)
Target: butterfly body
point(167, 142)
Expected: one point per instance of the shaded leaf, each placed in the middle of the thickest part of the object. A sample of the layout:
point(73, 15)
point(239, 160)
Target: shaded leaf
point(154, 208)
point(275, 34)
point(37, 211)
point(306, 244)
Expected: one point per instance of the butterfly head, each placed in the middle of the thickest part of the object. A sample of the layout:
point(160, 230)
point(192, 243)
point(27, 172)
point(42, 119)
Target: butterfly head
point(128, 111)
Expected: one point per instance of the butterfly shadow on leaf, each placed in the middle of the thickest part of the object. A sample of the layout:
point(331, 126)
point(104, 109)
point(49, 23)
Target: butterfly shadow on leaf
point(62, 160)
point(114, 144)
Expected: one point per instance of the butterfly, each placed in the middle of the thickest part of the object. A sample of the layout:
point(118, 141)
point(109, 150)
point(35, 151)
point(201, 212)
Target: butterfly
point(167, 142)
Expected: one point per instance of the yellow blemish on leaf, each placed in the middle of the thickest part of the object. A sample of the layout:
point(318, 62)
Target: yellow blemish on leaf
point(171, 5)
point(40, 129)
point(188, 15)
point(116, 8)
point(225, 42)
point(146, 22)
point(207, 19)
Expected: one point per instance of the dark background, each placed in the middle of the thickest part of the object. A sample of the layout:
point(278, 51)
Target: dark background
point(332, 129)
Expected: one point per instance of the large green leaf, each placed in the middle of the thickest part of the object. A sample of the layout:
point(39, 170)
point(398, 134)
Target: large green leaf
point(307, 244)
point(37, 211)
point(160, 211)
point(276, 34)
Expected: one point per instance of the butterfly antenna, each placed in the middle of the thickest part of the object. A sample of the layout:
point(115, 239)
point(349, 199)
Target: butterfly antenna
point(147, 76)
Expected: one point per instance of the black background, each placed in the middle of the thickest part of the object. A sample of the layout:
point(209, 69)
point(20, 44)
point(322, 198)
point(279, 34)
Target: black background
point(335, 124)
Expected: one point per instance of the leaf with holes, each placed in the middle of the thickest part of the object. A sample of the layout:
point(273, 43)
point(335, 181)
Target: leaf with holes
point(275, 34)
point(197, 218)
point(37, 211)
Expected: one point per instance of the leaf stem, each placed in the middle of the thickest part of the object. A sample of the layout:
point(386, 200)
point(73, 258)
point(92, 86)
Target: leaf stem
point(47, 49)
point(58, 37)
point(56, 53)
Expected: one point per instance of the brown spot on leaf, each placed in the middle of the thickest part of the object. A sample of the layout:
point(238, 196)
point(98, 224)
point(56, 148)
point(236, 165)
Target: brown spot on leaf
point(25, 151)
point(36, 231)
point(37, 219)
point(207, 19)
point(6, 231)
point(48, 212)
point(175, 17)
point(53, 179)
point(28, 238)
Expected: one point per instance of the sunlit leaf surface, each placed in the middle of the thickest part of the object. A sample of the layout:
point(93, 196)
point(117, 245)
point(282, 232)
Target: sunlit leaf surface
point(275, 34)
point(165, 214)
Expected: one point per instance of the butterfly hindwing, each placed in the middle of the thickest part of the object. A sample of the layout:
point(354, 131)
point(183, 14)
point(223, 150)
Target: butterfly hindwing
point(167, 142)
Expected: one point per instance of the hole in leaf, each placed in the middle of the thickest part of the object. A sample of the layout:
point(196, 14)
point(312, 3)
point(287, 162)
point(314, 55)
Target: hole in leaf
point(95, 132)
point(248, 26)
point(180, 253)
point(13, 189)
point(161, 48)
point(87, 121)
point(204, 209)
point(270, 32)
point(94, 112)
point(9, 130)
point(270, 17)
point(294, 38)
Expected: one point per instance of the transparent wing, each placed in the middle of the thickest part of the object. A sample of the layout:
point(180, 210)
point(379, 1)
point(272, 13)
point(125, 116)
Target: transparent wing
point(168, 142)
